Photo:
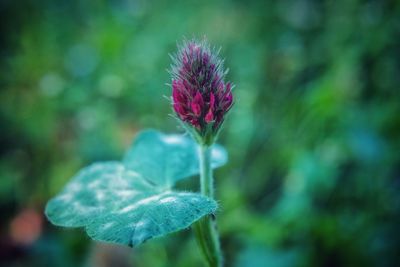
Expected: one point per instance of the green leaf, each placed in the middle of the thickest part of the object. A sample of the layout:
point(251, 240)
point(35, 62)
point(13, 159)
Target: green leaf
point(165, 159)
point(125, 203)
point(117, 205)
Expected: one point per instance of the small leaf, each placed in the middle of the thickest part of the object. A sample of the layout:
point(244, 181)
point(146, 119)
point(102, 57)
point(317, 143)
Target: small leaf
point(125, 202)
point(165, 159)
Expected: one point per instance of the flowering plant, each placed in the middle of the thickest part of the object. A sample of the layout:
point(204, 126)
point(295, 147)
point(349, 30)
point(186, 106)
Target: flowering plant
point(201, 98)
point(130, 201)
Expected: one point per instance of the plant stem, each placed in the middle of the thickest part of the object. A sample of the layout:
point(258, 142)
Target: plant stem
point(205, 229)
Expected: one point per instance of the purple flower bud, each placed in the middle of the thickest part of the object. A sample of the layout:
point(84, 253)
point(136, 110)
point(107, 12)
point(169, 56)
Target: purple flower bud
point(200, 96)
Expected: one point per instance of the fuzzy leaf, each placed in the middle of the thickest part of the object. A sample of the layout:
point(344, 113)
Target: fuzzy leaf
point(117, 205)
point(165, 159)
point(125, 203)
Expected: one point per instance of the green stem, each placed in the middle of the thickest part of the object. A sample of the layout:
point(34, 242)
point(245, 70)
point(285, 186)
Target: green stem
point(205, 228)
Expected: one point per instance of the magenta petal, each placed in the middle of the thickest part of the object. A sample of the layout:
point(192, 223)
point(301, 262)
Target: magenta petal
point(178, 96)
point(227, 102)
point(180, 110)
point(198, 99)
point(209, 116)
point(197, 104)
point(212, 102)
point(196, 109)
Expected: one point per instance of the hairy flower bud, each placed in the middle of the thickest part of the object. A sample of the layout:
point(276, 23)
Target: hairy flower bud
point(200, 96)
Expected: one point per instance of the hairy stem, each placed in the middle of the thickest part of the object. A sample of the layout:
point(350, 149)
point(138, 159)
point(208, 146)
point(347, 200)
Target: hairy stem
point(205, 229)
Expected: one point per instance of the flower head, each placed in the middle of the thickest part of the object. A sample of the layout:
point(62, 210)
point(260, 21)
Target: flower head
point(200, 96)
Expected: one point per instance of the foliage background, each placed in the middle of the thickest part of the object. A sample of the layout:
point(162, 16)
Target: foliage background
point(314, 171)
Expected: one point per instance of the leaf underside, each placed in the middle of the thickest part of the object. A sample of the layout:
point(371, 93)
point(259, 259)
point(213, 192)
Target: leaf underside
point(130, 202)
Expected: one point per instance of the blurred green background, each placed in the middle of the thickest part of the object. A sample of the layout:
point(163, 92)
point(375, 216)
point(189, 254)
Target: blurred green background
point(313, 139)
